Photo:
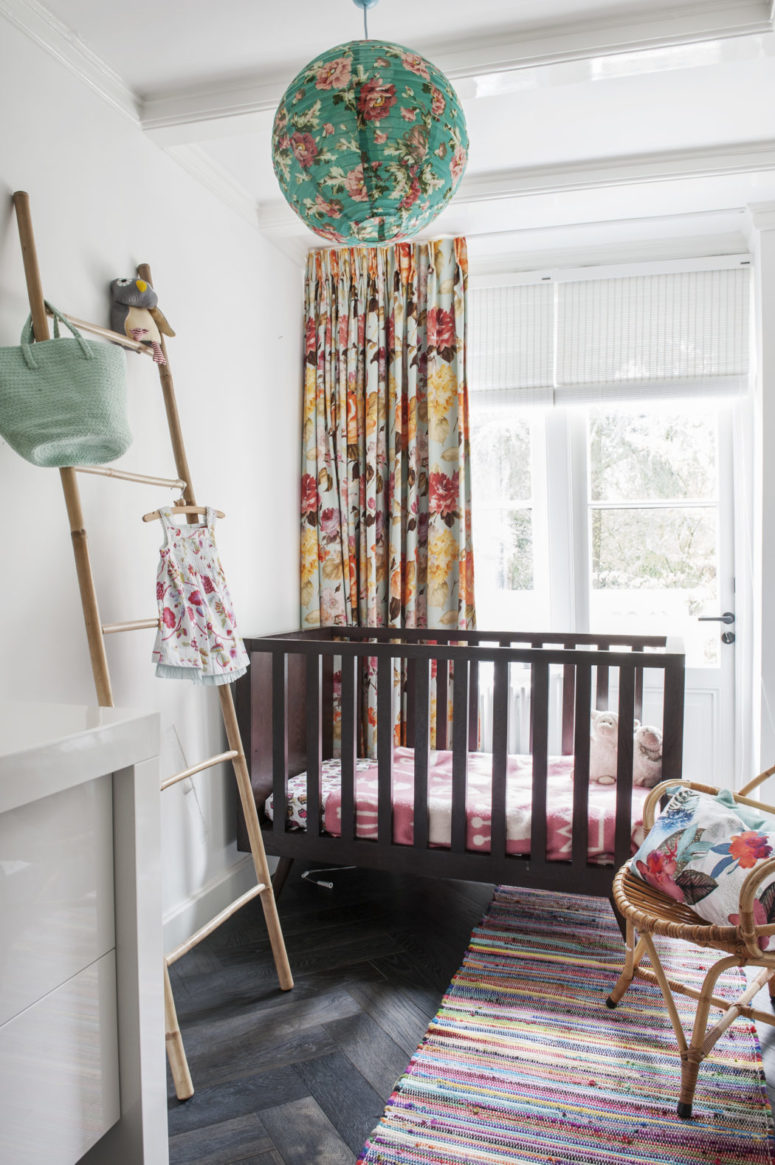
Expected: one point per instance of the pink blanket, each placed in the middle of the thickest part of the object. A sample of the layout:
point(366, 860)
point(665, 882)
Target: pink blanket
point(559, 804)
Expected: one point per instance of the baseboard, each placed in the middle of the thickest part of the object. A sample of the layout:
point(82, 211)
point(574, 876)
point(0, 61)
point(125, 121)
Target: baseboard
point(193, 912)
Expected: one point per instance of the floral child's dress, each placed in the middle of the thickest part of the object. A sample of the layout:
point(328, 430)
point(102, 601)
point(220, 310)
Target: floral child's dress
point(197, 637)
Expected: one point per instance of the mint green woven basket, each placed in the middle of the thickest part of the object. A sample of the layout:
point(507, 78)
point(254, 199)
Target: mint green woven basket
point(63, 401)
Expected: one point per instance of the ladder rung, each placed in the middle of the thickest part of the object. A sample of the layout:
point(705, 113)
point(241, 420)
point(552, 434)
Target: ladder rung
point(214, 923)
point(109, 334)
point(143, 478)
point(205, 764)
point(138, 625)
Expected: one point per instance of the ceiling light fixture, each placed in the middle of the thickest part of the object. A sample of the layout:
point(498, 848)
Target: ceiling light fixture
point(369, 141)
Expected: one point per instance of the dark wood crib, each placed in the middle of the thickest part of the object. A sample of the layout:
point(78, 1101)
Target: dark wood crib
point(286, 704)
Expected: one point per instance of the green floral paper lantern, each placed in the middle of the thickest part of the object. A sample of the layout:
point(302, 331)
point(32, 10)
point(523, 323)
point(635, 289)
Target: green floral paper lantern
point(369, 143)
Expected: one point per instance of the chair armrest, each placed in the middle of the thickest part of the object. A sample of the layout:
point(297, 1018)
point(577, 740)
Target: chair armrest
point(748, 930)
point(658, 792)
point(752, 784)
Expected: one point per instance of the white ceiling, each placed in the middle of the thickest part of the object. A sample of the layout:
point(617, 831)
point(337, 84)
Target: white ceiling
point(605, 128)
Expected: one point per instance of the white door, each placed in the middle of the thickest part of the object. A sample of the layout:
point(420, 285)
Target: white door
point(660, 542)
point(617, 518)
point(711, 699)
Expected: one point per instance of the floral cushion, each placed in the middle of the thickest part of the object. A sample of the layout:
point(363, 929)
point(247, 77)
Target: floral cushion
point(700, 851)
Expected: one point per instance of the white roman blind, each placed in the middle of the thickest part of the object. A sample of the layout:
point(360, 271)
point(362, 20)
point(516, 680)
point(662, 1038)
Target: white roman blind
point(511, 341)
point(677, 333)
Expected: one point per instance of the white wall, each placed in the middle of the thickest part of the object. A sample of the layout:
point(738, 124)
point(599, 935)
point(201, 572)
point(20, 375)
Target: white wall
point(103, 199)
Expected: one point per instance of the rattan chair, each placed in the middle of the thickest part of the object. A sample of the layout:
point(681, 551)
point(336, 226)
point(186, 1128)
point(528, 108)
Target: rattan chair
point(649, 912)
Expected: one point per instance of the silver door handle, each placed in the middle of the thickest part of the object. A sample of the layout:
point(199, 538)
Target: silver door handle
point(727, 617)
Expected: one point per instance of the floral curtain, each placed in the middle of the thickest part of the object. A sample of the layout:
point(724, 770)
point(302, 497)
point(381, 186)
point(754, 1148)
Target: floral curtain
point(386, 490)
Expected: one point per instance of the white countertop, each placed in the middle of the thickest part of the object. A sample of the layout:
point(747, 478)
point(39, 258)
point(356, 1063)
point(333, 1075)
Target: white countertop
point(45, 748)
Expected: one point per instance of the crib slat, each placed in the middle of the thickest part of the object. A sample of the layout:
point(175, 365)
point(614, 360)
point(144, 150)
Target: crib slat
point(314, 743)
point(624, 765)
point(459, 756)
point(639, 687)
point(327, 706)
point(568, 702)
point(473, 704)
point(279, 742)
point(533, 643)
point(422, 703)
point(362, 675)
point(408, 733)
point(581, 765)
point(349, 748)
point(601, 687)
point(673, 721)
point(442, 686)
point(385, 748)
point(539, 720)
point(500, 730)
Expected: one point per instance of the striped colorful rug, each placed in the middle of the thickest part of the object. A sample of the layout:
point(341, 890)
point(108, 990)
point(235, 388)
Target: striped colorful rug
point(524, 1064)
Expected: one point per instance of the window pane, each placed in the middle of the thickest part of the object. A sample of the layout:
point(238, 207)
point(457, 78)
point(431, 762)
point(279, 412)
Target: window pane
point(654, 571)
point(504, 549)
point(649, 456)
point(503, 525)
point(654, 549)
point(500, 458)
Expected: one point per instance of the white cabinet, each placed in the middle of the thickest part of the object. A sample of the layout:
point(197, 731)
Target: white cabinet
point(56, 891)
point(81, 1006)
point(59, 1070)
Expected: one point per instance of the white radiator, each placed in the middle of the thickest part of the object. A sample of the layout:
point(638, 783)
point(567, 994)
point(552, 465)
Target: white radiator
point(518, 735)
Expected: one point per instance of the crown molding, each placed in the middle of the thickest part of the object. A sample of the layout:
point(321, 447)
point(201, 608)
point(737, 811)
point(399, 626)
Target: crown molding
point(703, 162)
point(762, 215)
point(276, 218)
point(692, 235)
point(212, 103)
point(201, 166)
point(65, 46)
point(663, 27)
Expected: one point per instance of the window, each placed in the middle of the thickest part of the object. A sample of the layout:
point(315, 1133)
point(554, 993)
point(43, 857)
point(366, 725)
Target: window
point(601, 491)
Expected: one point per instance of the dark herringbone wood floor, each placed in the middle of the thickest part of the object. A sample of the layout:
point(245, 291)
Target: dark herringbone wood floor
point(301, 1077)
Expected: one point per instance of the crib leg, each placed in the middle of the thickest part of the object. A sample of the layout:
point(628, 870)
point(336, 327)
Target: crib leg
point(280, 876)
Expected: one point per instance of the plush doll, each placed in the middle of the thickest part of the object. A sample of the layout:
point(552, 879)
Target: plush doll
point(134, 313)
point(647, 756)
point(603, 735)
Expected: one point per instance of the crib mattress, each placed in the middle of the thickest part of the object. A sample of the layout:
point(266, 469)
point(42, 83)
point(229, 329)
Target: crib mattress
point(559, 804)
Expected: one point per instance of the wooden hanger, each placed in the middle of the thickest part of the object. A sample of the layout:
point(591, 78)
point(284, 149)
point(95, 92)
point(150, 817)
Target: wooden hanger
point(182, 510)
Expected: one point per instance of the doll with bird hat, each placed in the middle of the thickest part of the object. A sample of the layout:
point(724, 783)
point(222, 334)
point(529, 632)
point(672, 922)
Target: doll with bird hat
point(134, 312)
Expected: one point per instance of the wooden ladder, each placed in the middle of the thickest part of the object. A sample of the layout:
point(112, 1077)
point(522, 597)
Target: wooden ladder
point(96, 632)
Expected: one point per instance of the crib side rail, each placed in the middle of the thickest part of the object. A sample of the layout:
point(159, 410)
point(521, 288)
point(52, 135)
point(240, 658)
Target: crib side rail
point(479, 637)
point(511, 639)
